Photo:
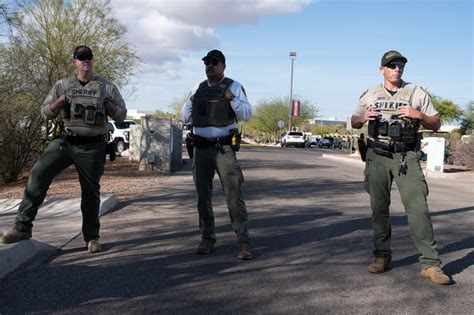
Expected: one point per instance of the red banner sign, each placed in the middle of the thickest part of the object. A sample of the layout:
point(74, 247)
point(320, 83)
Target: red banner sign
point(295, 108)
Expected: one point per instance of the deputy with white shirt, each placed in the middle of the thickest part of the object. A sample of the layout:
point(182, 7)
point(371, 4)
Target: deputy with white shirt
point(213, 108)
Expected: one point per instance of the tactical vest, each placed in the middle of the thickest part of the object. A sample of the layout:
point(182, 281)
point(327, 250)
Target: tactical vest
point(211, 107)
point(388, 127)
point(85, 114)
point(387, 104)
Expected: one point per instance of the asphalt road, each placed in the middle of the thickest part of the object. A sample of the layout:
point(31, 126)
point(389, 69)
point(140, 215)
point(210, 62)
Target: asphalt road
point(311, 232)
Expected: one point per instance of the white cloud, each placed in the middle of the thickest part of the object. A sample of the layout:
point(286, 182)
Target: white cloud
point(165, 31)
point(214, 13)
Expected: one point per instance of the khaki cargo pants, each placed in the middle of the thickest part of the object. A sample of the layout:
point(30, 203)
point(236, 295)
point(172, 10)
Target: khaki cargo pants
point(206, 162)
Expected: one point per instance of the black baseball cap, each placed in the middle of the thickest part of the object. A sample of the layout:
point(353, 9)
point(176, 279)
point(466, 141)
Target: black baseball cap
point(82, 50)
point(390, 56)
point(215, 54)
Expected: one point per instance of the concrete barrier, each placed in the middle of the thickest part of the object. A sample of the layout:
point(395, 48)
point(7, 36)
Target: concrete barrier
point(57, 222)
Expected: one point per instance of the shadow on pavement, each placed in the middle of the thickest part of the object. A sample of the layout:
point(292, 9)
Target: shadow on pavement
point(150, 253)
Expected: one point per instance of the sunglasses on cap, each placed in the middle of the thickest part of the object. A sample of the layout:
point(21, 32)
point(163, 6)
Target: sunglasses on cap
point(393, 65)
point(214, 62)
point(84, 57)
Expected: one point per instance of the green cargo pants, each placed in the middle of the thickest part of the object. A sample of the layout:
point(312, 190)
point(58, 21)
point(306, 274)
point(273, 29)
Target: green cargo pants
point(206, 162)
point(380, 171)
point(89, 160)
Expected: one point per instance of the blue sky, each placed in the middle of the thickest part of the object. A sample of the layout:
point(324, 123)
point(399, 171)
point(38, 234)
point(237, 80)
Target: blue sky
point(338, 43)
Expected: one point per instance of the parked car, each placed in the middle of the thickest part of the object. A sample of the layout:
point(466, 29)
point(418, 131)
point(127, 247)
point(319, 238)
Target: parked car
point(326, 142)
point(120, 134)
point(293, 138)
point(314, 140)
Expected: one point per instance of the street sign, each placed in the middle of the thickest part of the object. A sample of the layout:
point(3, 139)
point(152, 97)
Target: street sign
point(281, 124)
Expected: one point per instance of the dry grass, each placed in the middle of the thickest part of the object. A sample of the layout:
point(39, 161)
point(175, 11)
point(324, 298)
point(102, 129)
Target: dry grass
point(121, 177)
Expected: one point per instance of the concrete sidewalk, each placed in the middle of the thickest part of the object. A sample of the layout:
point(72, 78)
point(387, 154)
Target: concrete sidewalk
point(57, 222)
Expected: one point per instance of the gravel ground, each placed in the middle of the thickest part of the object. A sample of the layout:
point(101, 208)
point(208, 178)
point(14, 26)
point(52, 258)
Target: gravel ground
point(120, 177)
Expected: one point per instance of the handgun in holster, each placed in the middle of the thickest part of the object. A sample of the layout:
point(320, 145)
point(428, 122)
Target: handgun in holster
point(110, 146)
point(190, 144)
point(110, 150)
point(362, 147)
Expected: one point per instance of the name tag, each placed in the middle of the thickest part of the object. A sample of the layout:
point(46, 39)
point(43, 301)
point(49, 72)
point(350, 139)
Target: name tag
point(84, 92)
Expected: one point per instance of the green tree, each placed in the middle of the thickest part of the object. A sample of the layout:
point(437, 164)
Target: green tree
point(177, 104)
point(467, 121)
point(161, 114)
point(448, 111)
point(38, 53)
point(268, 112)
point(327, 129)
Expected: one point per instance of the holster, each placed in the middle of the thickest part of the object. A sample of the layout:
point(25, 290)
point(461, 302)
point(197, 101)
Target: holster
point(190, 144)
point(388, 149)
point(362, 147)
point(110, 150)
point(236, 138)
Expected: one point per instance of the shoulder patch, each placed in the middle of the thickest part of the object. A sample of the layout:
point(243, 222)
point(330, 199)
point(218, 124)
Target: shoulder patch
point(362, 95)
point(426, 91)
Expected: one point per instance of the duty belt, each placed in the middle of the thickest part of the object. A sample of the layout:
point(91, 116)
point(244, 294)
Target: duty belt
point(83, 140)
point(387, 149)
point(201, 142)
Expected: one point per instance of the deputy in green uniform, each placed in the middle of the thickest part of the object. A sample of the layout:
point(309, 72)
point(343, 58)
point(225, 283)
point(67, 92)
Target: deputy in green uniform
point(395, 110)
point(213, 108)
point(83, 101)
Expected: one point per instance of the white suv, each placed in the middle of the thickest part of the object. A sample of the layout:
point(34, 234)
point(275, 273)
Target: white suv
point(293, 138)
point(120, 134)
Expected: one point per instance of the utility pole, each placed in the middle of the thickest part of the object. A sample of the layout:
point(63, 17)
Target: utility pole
point(292, 57)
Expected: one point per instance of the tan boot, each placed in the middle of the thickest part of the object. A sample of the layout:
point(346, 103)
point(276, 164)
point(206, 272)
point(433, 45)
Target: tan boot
point(14, 236)
point(380, 264)
point(436, 275)
point(94, 246)
point(206, 246)
point(245, 252)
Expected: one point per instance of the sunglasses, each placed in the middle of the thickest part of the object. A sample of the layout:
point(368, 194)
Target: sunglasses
point(396, 64)
point(84, 57)
point(214, 62)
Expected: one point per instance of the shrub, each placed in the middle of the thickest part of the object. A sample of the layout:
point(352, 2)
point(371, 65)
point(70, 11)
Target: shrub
point(464, 152)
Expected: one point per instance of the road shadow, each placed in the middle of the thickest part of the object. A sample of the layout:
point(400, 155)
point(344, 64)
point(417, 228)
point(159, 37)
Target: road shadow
point(297, 226)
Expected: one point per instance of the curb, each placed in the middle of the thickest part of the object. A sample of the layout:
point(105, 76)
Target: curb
point(14, 255)
point(457, 175)
point(355, 159)
point(17, 254)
